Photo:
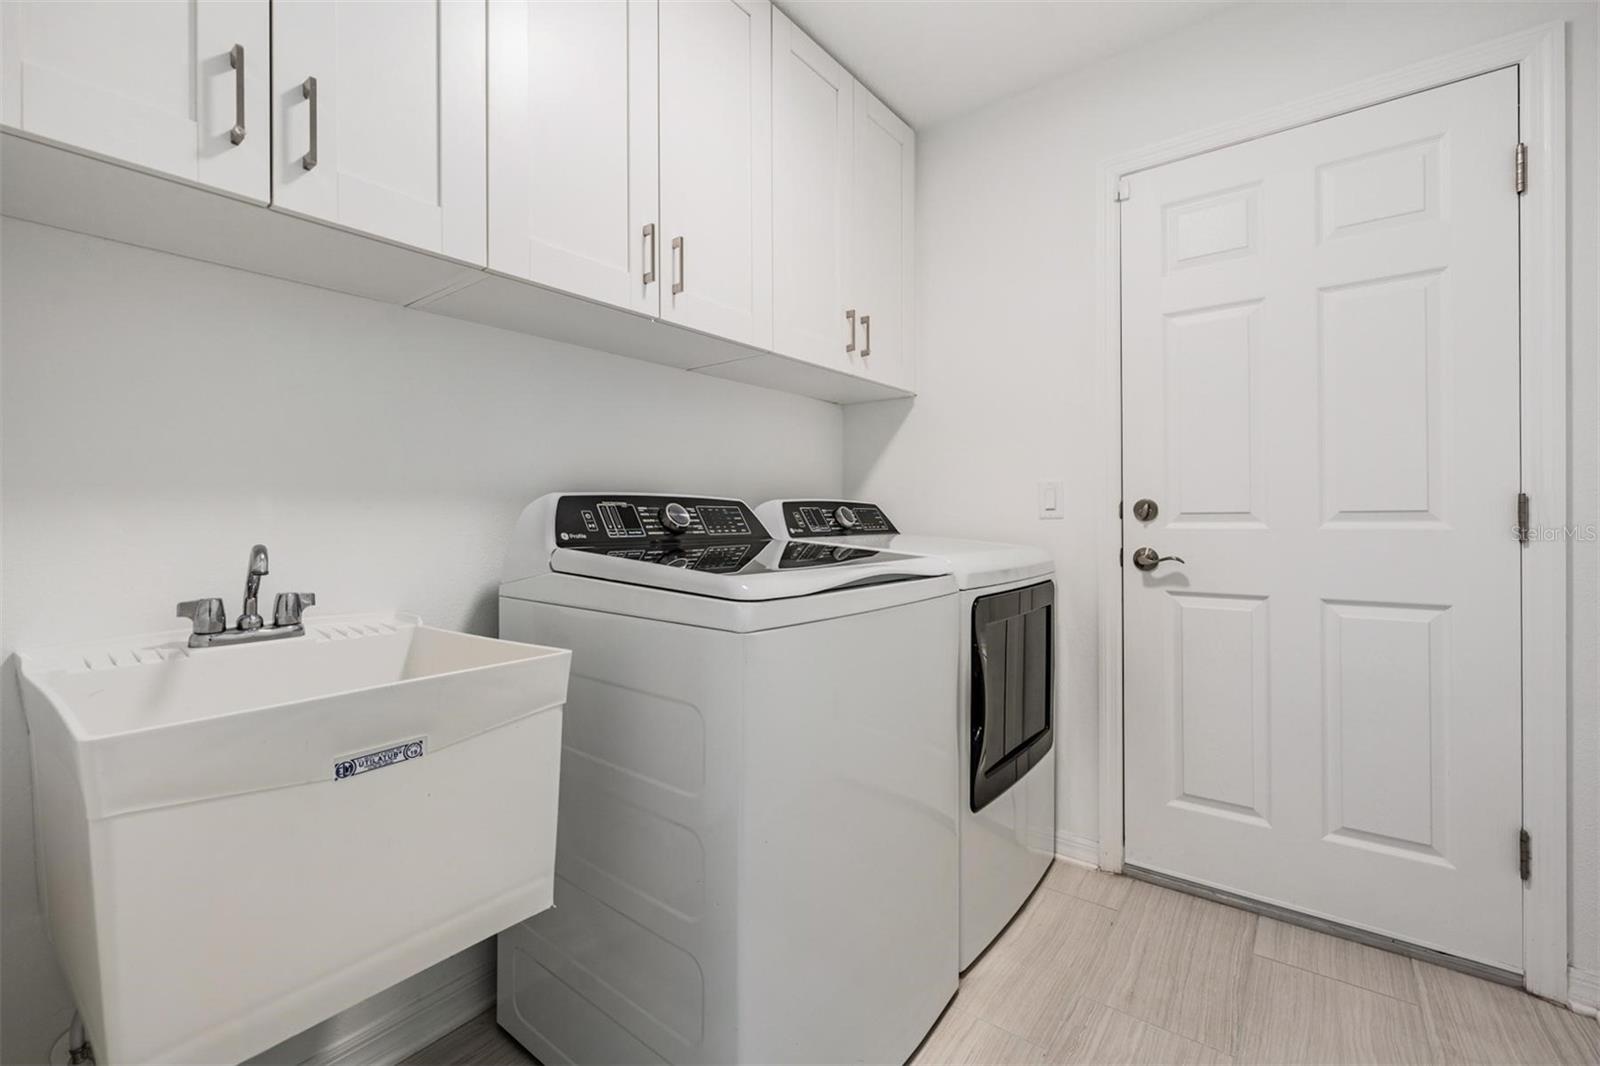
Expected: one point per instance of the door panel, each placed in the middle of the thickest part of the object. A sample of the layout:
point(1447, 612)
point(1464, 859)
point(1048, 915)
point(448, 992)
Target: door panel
point(812, 118)
point(573, 146)
point(400, 119)
point(1320, 360)
point(149, 83)
point(882, 205)
point(716, 167)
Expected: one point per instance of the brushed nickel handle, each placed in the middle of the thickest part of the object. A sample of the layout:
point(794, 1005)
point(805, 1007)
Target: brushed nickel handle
point(650, 269)
point(236, 61)
point(1149, 558)
point(850, 317)
point(309, 91)
point(678, 275)
point(866, 327)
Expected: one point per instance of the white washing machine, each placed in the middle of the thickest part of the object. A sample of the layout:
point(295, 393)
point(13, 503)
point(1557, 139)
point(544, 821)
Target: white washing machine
point(756, 857)
point(1006, 699)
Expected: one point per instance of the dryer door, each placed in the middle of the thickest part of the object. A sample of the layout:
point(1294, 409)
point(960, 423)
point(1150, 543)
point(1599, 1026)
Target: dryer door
point(1013, 675)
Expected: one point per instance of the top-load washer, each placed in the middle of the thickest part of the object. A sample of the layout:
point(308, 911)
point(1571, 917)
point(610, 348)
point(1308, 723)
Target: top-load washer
point(756, 857)
point(1005, 664)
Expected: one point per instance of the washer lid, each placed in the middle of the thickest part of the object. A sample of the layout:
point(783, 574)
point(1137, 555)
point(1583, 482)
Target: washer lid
point(748, 570)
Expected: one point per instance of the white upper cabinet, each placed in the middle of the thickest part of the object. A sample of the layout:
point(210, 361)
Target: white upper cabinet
point(881, 238)
point(812, 123)
point(572, 147)
point(716, 167)
point(379, 116)
point(175, 86)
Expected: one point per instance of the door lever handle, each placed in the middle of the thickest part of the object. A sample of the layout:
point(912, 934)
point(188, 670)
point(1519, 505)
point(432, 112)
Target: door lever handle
point(1148, 558)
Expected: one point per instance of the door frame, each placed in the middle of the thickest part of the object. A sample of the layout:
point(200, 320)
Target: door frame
point(1539, 54)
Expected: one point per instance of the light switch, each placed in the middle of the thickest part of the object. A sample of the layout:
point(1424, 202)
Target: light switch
point(1049, 499)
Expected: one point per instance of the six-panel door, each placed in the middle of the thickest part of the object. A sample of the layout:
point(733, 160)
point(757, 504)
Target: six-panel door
point(1320, 394)
point(378, 119)
point(882, 206)
point(716, 167)
point(175, 86)
point(572, 147)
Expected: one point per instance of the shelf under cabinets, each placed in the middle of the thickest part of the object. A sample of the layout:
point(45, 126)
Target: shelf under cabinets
point(69, 189)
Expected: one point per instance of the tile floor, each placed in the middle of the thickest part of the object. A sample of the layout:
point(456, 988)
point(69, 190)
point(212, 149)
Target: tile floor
point(1101, 969)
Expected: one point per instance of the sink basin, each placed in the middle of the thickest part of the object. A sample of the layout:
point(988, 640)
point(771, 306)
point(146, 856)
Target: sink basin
point(237, 842)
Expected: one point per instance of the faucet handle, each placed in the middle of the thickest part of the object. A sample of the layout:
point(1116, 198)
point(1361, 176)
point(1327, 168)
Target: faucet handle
point(289, 606)
point(208, 615)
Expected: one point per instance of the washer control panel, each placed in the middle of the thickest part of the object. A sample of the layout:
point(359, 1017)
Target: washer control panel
point(628, 521)
point(834, 518)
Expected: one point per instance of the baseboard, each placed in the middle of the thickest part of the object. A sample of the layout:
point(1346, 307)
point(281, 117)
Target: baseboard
point(1583, 991)
point(1074, 848)
point(412, 1026)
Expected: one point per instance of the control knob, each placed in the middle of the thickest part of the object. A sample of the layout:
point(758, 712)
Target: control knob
point(846, 517)
point(675, 517)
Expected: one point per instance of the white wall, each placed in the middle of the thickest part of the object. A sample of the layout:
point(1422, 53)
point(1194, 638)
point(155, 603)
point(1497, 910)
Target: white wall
point(1006, 321)
point(161, 415)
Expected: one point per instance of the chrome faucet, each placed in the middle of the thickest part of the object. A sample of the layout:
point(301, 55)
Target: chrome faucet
point(211, 619)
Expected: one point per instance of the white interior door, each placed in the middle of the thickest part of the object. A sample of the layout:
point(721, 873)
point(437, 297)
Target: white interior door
point(883, 207)
point(572, 147)
point(716, 167)
point(399, 106)
point(149, 82)
point(812, 118)
point(1320, 389)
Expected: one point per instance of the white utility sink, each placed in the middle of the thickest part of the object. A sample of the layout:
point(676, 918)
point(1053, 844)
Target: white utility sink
point(237, 842)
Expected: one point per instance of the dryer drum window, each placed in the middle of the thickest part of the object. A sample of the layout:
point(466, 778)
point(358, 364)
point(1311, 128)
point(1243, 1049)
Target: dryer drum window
point(1013, 675)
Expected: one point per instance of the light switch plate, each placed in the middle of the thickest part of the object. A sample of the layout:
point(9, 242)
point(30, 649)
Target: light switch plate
point(1050, 500)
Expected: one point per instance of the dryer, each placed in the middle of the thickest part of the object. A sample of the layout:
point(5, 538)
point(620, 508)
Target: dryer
point(756, 857)
point(1004, 659)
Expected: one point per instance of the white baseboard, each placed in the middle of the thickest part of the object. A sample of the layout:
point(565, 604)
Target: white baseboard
point(1583, 991)
point(1074, 848)
point(412, 1026)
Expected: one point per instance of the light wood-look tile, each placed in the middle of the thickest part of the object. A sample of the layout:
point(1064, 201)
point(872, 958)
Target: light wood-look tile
point(1475, 1021)
point(1177, 962)
point(1343, 960)
point(1093, 1033)
point(1029, 978)
point(1295, 1016)
point(962, 1037)
point(480, 1042)
point(1096, 886)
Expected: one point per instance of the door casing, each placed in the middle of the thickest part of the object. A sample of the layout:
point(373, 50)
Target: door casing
point(1539, 54)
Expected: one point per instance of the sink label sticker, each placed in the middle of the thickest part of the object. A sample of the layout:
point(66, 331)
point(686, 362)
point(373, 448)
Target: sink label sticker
point(377, 760)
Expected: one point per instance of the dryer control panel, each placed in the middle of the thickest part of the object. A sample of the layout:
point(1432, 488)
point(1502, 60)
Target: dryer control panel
point(627, 521)
point(834, 518)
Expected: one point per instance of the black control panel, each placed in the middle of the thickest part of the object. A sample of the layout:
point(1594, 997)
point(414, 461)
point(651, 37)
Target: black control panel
point(641, 523)
point(834, 518)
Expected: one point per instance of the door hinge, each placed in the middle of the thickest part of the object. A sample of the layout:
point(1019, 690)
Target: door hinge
point(1119, 508)
point(1524, 516)
point(1522, 169)
point(1525, 855)
point(1119, 556)
point(1124, 191)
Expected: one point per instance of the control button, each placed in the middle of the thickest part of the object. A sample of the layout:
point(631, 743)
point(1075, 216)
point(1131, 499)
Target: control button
point(676, 517)
point(846, 516)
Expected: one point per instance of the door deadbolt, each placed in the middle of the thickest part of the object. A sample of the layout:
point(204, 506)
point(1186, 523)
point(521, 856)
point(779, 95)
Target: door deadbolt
point(1149, 558)
point(1145, 510)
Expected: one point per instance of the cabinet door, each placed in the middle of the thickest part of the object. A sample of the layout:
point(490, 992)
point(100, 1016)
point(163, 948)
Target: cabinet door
point(716, 167)
point(812, 121)
point(883, 205)
point(378, 119)
point(572, 147)
point(152, 83)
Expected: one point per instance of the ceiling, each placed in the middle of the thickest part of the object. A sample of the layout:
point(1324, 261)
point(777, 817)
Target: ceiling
point(931, 60)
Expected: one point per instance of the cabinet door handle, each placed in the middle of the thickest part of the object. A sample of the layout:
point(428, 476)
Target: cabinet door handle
point(236, 61)
point(309, 91)
point(650, 260)
point(866, 327)
point(677, 254)
point(850, 317)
